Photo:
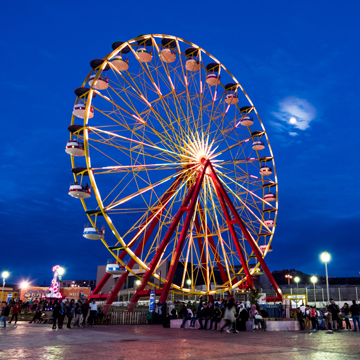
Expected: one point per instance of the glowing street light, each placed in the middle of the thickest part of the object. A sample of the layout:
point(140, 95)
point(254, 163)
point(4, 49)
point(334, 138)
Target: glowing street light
point(297, 280)
point(137, 282)
point(325, 257)
point(288, 276)
point(60, 271)
point(4, 275)
point(188, 282)
point(24, 285)
point(314, 280)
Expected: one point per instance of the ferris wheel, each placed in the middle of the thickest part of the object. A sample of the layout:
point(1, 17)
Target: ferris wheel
point(168, 148)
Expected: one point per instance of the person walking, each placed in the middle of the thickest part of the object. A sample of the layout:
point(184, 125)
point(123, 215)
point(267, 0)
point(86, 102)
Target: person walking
point(229, 316)
point(85, 309)
point(355, 312)
point(56, 313)
point(5, 313)
point(15, 312)
point(93, 311)
point(70, 312)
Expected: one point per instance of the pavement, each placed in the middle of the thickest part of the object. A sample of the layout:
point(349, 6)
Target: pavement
point(125, 342)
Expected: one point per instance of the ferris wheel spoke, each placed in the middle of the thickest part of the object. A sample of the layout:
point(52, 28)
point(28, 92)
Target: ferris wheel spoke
point(141, 191)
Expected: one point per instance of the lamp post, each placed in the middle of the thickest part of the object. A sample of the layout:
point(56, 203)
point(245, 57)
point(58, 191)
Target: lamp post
point(4, 275)
point(288, 276)
point(314, 280)
point(297, 279)
point(325, 257)
point(60, 272)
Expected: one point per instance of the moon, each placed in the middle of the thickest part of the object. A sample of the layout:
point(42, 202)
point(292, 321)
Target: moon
point(292, 120)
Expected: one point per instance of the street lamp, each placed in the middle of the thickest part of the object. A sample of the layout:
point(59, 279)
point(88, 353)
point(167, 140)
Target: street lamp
point(288, 276)
point(314, 280)
point(137, 282)
point(188, 282)
point(297, 279)
point(4, 275)
point(325, 257)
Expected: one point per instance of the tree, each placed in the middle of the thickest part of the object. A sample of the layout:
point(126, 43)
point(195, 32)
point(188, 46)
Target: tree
point(255, 296)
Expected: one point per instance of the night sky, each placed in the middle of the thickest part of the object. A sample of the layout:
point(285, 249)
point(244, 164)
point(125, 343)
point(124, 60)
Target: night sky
point(293, 59)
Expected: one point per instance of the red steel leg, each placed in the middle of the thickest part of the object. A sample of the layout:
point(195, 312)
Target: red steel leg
point(219, 186)
point(163, 245)
point(180, 244)
point(235, 238)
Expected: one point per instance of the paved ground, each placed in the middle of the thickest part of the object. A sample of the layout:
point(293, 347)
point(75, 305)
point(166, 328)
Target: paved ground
point(128, 342)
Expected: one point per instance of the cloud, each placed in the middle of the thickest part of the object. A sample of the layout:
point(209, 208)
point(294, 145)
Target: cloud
point(293, 133)
point(301, 109)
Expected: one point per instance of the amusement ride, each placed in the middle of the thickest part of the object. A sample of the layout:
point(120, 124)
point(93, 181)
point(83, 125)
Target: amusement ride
point(168, 148)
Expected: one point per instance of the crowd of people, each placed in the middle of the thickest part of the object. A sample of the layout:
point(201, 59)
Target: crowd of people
point(329, 318)
point(209, 315)
point(82, 312)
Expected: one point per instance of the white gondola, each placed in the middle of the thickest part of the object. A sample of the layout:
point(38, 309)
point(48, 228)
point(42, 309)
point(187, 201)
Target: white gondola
point(265, 170)
point(74, 148)
point(231, 99)
point(144, 55)
point(212, 79)
point(120, 63)
point(258, 145)
point(101, 83)
point(269, 223)
point(115, 269)
point(192, 65)
point(264, 247)
point(92, 234)
point(79, 192)
point(167, 56)
point(79, 111)
point(246, 121)
point(270, 197)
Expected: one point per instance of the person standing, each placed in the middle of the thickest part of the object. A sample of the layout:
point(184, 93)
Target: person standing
point(56, 313)
point(355, 312)
point(346, 312)
point(93, 311)
point(85, 309)
point(300, 317)
point(334, 309)
point(61, 314)
point(313, 318)
point(5, 313)
point(77, 315)
point(70, 312)
point(243, 317)
point(216, 316)
point(307, 318)
point(15, 312)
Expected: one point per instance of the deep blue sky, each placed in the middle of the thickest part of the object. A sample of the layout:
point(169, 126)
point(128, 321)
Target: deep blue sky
point(293, 58)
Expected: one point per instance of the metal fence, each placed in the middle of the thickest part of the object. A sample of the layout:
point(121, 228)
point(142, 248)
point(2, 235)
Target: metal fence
point(123, 317)
point(343, 293)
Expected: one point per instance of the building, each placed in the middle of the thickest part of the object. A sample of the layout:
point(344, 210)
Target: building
point(10, 292)
point(83, 283)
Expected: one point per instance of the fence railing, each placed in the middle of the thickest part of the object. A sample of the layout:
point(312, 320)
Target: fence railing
point(123, 317)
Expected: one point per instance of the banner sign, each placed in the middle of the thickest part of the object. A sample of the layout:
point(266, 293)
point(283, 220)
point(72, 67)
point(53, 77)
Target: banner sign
point(9, 296)
point(152, 301)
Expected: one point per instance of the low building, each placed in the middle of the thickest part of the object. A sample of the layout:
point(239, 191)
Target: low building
point(83, 283)
point(10, 292)
point(39, 292)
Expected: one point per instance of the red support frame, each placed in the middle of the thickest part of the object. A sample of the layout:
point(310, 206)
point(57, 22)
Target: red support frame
point(225, 197)
point(234, 236)
point(164, 243)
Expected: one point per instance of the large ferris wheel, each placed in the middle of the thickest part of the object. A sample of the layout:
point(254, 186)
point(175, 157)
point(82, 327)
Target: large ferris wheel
point(179, 165)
